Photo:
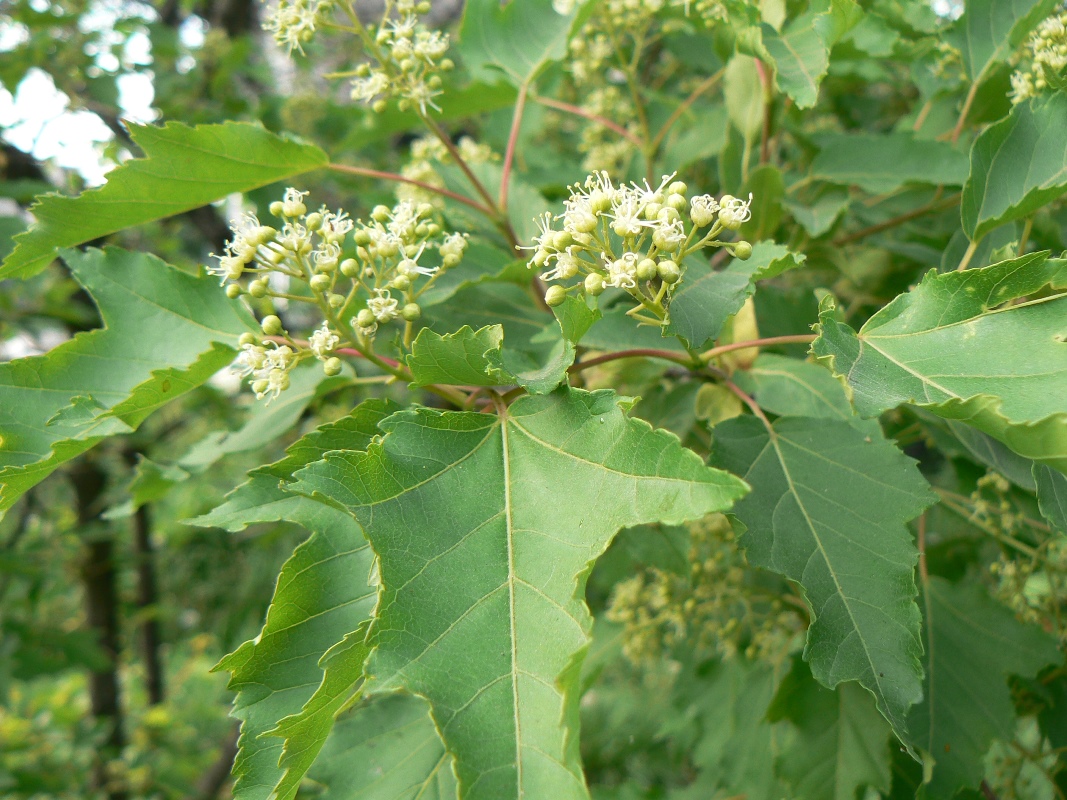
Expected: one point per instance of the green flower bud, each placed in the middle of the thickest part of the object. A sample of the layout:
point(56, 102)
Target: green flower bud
point(404, 104)
point(669, 272)
point(380, 213)
point(387, 249)
point(379, 106)
point(540, 256)
point(271, 325)
point(423, 7)
point(320, 283)
point(555, 296)
point(678, 187)
point(449, 261)
point(599, 202)
point(422, 229)
point(361, 237)
point(651, 210)
point(561, 240)
point(258, 287)
point(448, 64)
point(743, 250)
point(260, 386)
point(594, 284)
point(336, 300)
point(365, 318)
point(424, 210)
point(247, 338)
point(276, 208)
point(313, 221)
point(668, 215)
point(332, 366)
point(677, 202)
point(433, 229)
point(350, 268)
point(411, 312)
point(401, 282)
point(233, 291)
point(646, 269)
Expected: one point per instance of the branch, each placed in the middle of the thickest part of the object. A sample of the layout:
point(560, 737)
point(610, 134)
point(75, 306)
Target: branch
point(799, 338)
point(392, 176)
point(666, 355)
point(578, 111)
point(513, 138)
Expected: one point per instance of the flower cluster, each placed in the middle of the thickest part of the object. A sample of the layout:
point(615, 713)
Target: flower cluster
point(634, 238)
point(710, 609)
point(426, 153)
point(306, 261)
point(1046, 51)
point(293, 22)
point(405, 59)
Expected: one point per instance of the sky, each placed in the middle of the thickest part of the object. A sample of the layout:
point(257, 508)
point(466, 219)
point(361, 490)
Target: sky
point(38, 118)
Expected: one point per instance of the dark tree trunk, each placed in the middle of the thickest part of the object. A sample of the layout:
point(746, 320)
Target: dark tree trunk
point(148, 605)
point(102, 612)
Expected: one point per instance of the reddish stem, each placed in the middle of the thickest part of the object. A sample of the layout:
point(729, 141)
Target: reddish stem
point(513, 138)
point(589, 115)
point(392, 176)
point(666, 355)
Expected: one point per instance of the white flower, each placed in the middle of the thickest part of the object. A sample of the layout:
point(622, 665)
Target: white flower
point(431, 45)
point(281, 357)
point(229, 268)
point(703, 209)
point(294, 237)
point(277, 382)
point(366, 89)
point(628, 214)
point(669, 236)
point(420, 93)
point(383, 306)
point(733, 211)
point(323, 341)
point(335, 226)
point(454, 244)
point(293, 203)
point(327, 257)
point(250, 360)
point(622, 273)
point(567, 266)
point(409, 267)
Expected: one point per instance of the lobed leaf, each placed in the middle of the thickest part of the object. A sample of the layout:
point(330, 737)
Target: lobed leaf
point(827, 510)
point(701, 307)
point(1018, 165)
point(990, 30)
point(164, 333)
point(952, 347)
point(323, 595)
point(464, 358)
point(183, 168)
point(972, 646)
point(485, 527)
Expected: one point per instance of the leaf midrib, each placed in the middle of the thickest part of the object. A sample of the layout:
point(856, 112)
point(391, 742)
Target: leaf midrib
point(509, 527)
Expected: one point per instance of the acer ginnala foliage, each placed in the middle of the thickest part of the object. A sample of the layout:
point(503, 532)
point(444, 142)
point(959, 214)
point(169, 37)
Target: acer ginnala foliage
point(673, 397)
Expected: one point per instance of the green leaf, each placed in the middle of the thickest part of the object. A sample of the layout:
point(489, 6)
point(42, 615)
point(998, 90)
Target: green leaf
point(818, 216)
point(385, 749)
point(827, 510)
point(464, 358)
point(183, 168)
point(322, 596)
point(951, 347)
point(267, 421)
point(882, 163)
point(972, 646)
point(843, 741)
point(576, 316)
point(1018, 165)
point(801, 60)
point(789, 387)
point(515, 39)
point(151, 481)
point(743, 95)
point(305, 733)
point(542, 370)
point(1052, 496)
point(485, 527)
point(164, 332)
point(990, 30)
point(702, 306)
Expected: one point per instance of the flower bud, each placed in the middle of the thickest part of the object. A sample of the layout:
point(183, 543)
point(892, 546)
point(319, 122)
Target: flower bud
point(743, 250)
point(380, 213)
point(669, 272)
point(388, 249)
point(247, 338)
point(677, 202)
point(258, 288)
point(651, 210)
point(646, 269)
point(361, 237)
point(350, 268)
point(379, 106)
point(336, 300)
point(313, 221)
point(411, 312)
point(271, 325)
point(433, 229)
point(599, 202)
point(423, 7)
point(276, 208)
point(561, 240)
point(667, 215)
point(365, 318)
point(449, 261)
point(555, 296)
point(332, 366)
point(540, 256)
point(320, 282)
point(677, 188)
point(233, 291)
point(594, 284)
point(260, 386)
point(401, 283)
point(448, 64)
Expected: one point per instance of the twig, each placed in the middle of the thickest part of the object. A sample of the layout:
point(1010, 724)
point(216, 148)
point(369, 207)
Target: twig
point(799, 338)
point(513, 138)
point(392, 176)
point(966, 110)
point(948, 202)
point(639, 352)
point(589, 115)
point(684, 106)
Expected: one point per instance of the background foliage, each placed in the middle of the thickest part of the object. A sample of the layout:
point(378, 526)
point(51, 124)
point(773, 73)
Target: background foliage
point(809, 540)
